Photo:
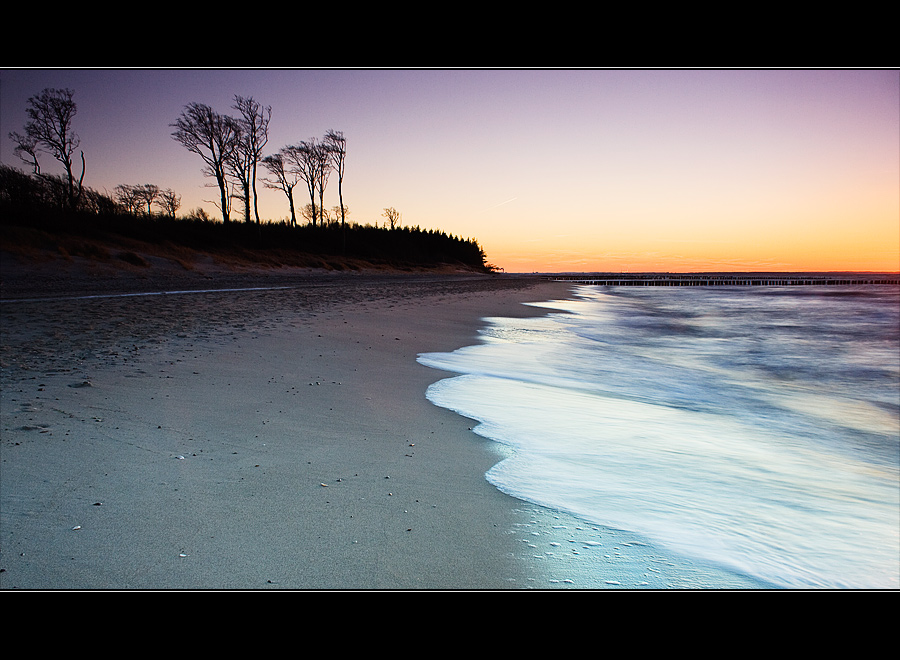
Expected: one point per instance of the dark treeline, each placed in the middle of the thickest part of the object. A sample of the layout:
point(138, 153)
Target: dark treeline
point(40, 204)
point(231, 149)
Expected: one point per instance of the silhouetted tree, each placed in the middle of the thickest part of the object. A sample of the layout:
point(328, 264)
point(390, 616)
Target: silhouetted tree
point(309, 161)
point(336, 144)
point(310, 212)
point(127, 196)
point(199, 214)
point(49, 129)
point(285, 180)
point(148, 193)
point(18, 190)
point(254, 122)
point(214, 137)
point(393, 217)
point(169, 202)
point(239, 167)
point(323, 171)
point(340, 212)
point(140, 198)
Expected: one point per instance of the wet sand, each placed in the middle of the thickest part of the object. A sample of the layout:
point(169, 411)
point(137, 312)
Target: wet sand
point(274, 435)
point(251, 439)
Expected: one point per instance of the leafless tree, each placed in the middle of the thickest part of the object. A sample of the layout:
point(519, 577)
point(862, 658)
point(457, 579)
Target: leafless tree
point(310, 212)
point(140, 198)
point(224, 205)
point(284, 179)
point(49, 130)
point(309, 161)
point(336, 144)
point(199, 214)
point(340, 212)
point(254, 123)
point(27, 145)
point(323, 172)
point(239, 168)
point(214, 137)
point(127, 196)
point(393, 217)
point(169, 202)
point(147, 193)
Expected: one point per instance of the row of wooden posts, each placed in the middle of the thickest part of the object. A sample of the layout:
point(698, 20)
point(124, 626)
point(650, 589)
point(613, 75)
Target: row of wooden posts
point(726, 280)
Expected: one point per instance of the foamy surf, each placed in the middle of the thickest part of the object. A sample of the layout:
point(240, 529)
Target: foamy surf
point(756, 430)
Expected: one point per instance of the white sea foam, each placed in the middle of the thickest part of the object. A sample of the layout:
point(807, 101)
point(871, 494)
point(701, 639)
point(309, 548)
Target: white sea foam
point(756, 429)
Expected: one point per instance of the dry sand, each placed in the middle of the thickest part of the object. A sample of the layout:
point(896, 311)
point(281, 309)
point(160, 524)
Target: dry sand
point(251, 439)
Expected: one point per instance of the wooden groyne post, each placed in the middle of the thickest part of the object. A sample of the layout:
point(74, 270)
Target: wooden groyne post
point(735, 279)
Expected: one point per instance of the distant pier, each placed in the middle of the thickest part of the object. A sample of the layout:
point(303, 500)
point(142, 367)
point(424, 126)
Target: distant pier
point(729, 279)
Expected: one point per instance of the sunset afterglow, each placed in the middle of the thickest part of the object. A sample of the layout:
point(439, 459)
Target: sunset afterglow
point(550, 170)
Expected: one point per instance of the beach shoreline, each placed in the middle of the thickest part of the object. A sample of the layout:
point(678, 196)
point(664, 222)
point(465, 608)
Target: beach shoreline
point(251, 438)
point(272, 431)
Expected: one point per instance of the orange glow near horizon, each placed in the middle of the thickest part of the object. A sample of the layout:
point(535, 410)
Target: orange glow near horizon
point(854, 228)
point(837, 246)
point(654, 263)
point(820, 253)
point(549, 170)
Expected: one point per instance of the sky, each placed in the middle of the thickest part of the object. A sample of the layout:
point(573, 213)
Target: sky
point(550, 170)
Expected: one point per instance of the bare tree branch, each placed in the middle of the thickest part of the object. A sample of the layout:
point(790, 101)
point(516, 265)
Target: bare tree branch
point(214, 137)
point(49, 130)
point(285, 180)
point(254, 123)
point(336, 144)
point(309, 161)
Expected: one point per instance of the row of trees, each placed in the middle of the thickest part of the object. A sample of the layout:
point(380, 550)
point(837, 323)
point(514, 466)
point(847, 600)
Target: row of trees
point(30, 194)
point(230, 147)
point(232, 150)
point(141, 198)
point(35, 203)
point(50, 131)
point(311, 161)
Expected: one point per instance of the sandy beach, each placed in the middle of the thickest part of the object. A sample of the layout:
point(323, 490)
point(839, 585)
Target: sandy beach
point(250, 439)
point(239, 429)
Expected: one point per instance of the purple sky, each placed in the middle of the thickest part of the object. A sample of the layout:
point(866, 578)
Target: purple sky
point(549, 169)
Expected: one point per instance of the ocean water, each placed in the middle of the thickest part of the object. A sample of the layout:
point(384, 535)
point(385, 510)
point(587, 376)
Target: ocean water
point(754, 428)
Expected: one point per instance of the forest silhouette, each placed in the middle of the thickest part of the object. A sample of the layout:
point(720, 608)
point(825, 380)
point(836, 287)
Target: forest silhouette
point(40, 211)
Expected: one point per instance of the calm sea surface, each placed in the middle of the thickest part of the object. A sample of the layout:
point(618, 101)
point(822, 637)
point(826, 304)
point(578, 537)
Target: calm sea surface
point(757, 428)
